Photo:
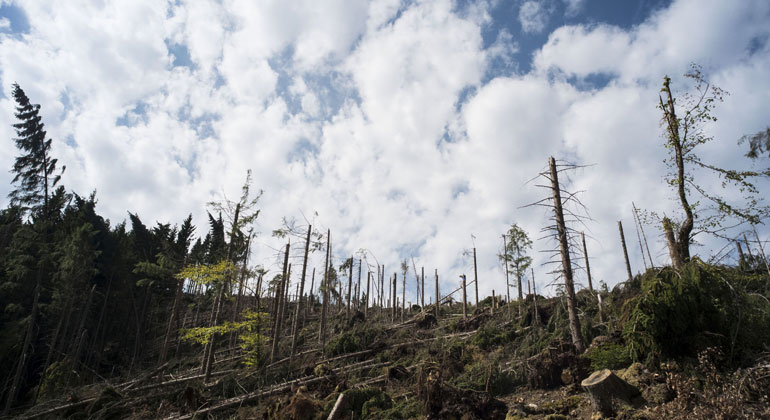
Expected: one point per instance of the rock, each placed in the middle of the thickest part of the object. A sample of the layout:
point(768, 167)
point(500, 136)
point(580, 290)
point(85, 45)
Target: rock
point(636, 375)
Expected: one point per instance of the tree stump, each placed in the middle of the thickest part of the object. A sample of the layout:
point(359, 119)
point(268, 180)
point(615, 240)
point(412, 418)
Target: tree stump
point(605, 388)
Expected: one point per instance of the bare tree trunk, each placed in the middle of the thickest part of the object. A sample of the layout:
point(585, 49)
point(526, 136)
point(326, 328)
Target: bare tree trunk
point(644, 237)
point(625, 251)
point(761, 249)
point(279, 307)
point(358, 285)
point(673, 247)
point(350, 286)
point(393, 305)
point(368, 286)
point(437, 296)
point(534, 297)
point(301, 292)
point(171, 318)
point(748, 247)
point(505, 268)
point(310, 294)
point(476, 277)
point(588, 266)
point(422, 287)
point(403, 296)
point(325, 291)
point(741, 258)
point(465, 299)
point(24, 356)
point(574, 321)
point(492, 307)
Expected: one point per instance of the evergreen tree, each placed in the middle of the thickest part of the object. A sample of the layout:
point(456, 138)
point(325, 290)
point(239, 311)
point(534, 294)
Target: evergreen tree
point(35, 169)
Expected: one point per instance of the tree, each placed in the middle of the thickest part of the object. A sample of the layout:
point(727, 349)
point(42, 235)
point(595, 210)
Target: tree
point(35, 169)
point(683, 135)
point(514, 255)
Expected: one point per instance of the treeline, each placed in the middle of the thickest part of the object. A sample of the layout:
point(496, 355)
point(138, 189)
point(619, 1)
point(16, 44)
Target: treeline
point(81, 297)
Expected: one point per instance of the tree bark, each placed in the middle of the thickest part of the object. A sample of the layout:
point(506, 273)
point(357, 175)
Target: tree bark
point(279, 309)
point(350, 286)
point(644, 237)
point(574, 321)
point(301, 292)
point(437, 297)
point(588, 266)
point(673, 247)
point(625, 251)
point(465, 299)
point(476, 277)
point(604, 388)
point(325, 291)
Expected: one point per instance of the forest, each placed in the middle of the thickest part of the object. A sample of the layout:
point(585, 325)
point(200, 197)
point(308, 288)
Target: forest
point(174, 320)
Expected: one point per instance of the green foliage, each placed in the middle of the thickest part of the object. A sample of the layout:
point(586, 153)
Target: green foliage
point(678, 314)
point(489, 336)
point(251, 340)
point(514, 256)
point(35, 169)
point(608, 356)
point(351, 341)
point(208, 274)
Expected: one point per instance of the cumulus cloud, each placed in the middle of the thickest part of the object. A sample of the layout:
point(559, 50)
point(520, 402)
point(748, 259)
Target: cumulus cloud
point(386, 117)
point(533, 16)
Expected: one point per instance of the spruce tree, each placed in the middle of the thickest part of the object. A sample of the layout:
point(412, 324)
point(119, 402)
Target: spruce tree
point(35, 169)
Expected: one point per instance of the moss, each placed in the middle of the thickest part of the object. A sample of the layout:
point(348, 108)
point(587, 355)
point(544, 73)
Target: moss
point(608, 356)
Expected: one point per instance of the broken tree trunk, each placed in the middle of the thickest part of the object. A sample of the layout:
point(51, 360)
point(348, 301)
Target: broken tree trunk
point(393, 304)
point(476, 277)
point(588, 266)
point(625, 251)
point(339, 407)
point(325, 290)
point(605, 389)
point(673, 247)
point(279, 310)
point(301, 292)
point(350, 285)
point(438, 304)
point(574, 321)
point(465, 299)
point(403, 296)
point(639, 237)
point(507, 280)
point(422, 287)
point(368, 288)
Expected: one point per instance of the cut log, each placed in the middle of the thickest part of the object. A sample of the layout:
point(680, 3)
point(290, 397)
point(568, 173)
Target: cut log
point(605, 389)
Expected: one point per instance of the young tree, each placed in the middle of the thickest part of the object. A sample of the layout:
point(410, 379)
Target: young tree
point(684, 133)
point(514, 255)
point(35, 169)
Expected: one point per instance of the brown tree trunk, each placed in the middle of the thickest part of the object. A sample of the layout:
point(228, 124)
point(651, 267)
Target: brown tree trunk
point(604, 388)
point(588, 266)
point(574, 321)
point(625, 251)
point(465, 299)
point(673, 247)
point(422, 287)
point(350, 286)
point(368, 288)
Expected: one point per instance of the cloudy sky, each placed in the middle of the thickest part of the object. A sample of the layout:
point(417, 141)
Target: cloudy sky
point(411, 127)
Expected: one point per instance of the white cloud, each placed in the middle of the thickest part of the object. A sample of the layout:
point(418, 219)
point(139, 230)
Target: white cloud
point(533, 16)
point(378, 115)
point(5, 24)
point(573, 7)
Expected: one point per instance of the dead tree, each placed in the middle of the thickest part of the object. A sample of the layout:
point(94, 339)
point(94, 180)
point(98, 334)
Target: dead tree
point(437, 296)
point(279, 311)
point(368, 288)
point(465, 299)
point(588, 266)
point(476, 277)
point(325, 291)
point(350, 286)
point(507, 280)
point(301, 291)
point(562, 236)
point(393, 301)
point(644, 237)
point(422, 288)
point(625, 250)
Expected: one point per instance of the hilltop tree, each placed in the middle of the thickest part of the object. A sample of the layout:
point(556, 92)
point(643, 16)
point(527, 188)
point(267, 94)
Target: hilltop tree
point(35, 169)
point(683, 135)
point(514, 255)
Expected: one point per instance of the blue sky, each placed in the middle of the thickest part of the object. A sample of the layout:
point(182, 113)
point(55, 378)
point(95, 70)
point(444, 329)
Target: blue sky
point(410, 127)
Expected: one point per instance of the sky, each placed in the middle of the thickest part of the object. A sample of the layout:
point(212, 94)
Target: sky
point(410, 129)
